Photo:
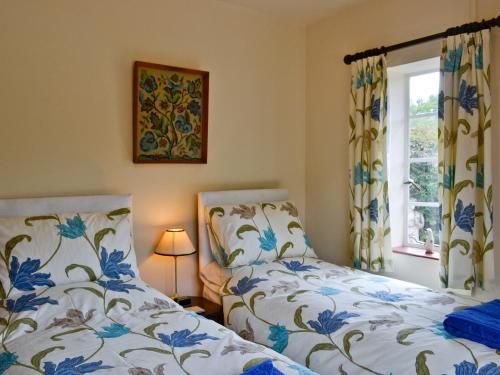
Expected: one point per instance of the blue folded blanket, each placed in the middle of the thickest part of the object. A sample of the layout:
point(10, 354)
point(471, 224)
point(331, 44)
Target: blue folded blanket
point(479, 323)
point(264, 368)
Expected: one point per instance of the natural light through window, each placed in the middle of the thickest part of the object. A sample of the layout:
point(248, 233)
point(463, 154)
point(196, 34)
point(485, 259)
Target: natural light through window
point(423, 205)
point(413, 152)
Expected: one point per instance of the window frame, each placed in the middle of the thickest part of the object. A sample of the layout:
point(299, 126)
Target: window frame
point(407, 159)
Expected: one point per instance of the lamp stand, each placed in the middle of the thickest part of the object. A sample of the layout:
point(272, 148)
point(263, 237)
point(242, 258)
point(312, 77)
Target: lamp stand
point(176, 296)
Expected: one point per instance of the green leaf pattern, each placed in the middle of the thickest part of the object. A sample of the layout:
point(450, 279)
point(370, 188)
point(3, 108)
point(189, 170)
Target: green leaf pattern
point(465, 163)
point(370, 240)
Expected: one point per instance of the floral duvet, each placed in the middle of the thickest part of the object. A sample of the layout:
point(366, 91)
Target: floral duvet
point(117, 327)
point(336, 320)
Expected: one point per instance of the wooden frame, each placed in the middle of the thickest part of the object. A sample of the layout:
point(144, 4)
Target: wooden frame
point(167, 128)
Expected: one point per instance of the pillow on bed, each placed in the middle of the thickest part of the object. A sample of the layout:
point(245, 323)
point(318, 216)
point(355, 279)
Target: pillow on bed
point(254, 233)
point(41, 251)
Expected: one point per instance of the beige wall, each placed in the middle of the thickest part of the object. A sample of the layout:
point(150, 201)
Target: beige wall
point(66, 107)
point(367, 25)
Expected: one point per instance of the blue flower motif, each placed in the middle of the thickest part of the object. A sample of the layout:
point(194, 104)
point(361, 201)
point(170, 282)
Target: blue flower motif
point(174, 84)
point(194, 107)
point(28, 302)
point(327, 291)
point(73, 366)
point(112, 331)
point(279, 335)
point(357, 263)
point(307, 240)
point(358, 174)
point(479, 57)
point(301, 370)
point(149, 84)
point(360, 81)
point(264, 368)
point(378, 279)
point(24, 277)
point(73, 228)
point(369, 77)
point(440, 331)
point(268, 242)
point(480, 177)
point(384, 295)
point(449, 178)
point(245, 285)
point(328, 323)
point(464, 217)
point(118, 285)
point(375, 109)
point(467, 97)
point(184, 338)
point(441, 105)
point(141, 97)
point(148, 142)
point(7, 360)
point(452, 60)
point(112, 267)
point(468, 368)
point(374, 210)
point(182, 124)
point(296, 266)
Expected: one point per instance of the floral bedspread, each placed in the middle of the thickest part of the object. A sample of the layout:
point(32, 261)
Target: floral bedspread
point(336, 320)
point(118, 327)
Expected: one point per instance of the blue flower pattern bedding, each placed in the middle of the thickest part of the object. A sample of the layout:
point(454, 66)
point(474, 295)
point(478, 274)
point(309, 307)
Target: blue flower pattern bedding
point(336, 320)
point(109, 321)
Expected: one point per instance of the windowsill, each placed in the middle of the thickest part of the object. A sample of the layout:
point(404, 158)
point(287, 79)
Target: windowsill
point(415, 252)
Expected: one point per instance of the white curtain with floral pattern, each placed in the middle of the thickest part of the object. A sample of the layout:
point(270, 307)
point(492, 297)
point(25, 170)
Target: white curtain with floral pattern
point(369, 200)
point(465, 163)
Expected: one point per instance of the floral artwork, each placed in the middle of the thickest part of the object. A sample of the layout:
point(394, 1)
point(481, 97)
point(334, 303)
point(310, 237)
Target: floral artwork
point(338, 320)
point(170, 114)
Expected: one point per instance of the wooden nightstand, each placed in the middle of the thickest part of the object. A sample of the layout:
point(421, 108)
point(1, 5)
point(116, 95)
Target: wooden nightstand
point(212, 311)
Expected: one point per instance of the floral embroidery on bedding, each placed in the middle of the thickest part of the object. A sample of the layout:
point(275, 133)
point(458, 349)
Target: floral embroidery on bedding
point(72, 279)
point(252, 234)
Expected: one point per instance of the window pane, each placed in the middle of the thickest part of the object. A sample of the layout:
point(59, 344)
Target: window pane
point(424, 90)
point(423, 135)
point(419, 219)
point(425, 175)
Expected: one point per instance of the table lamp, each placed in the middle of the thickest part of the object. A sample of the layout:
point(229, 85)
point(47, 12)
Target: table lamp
point(175, 242)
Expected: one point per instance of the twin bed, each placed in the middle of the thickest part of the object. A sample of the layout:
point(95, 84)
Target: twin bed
point(335, 320)
point(72, 301)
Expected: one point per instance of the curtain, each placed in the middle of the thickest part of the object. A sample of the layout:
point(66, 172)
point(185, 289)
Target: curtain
point(465, 177)
point(369, 202)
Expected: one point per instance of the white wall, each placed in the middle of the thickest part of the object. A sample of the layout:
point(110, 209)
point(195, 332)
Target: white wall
point(66, 107)
point(367, 25)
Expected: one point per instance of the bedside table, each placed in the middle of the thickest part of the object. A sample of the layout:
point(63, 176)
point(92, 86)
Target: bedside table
point(212, 311)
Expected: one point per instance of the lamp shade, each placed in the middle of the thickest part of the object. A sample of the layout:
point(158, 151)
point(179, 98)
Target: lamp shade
point(175, 242)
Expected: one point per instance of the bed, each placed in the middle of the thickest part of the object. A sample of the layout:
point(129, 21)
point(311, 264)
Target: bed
point(333, 319)
point(72, 302)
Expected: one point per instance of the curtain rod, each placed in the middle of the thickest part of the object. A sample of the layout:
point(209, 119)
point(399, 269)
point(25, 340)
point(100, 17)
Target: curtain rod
point(466, 28)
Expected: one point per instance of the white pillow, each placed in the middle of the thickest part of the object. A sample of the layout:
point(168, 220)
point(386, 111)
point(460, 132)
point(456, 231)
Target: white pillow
point(43, 251)
point(246, 234)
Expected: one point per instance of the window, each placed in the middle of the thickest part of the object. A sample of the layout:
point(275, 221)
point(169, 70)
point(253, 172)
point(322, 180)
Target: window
point(413, 152)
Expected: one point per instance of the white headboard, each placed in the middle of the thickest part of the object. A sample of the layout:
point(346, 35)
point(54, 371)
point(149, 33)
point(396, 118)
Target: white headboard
point(59, 205)
point(210, 198)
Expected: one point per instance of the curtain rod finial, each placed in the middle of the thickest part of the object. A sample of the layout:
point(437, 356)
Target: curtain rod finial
point(347, 59)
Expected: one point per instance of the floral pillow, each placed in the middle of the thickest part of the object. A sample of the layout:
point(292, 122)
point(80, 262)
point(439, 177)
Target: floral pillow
point(43, 251)
point(254, 233)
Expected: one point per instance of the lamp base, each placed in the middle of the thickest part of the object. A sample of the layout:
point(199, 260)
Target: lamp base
point(183, 301)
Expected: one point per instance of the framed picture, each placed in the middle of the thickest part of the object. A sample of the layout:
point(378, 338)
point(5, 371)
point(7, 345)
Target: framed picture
point(170, 114)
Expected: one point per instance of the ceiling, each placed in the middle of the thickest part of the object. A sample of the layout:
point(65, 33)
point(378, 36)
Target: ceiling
point(301, 12)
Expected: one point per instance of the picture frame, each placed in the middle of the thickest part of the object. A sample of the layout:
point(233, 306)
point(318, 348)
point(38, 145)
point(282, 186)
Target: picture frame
point(170, 114)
